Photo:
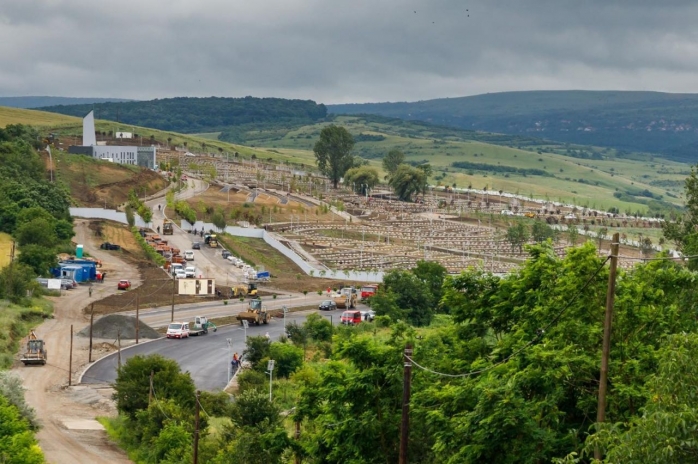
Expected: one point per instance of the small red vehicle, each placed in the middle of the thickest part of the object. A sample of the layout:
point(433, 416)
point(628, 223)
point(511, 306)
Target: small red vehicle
point(367, 291)
point(351, 317)
point(123, 285)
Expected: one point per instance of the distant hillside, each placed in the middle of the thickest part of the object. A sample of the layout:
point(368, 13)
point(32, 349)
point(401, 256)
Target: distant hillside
point(33, 118)
point(199, 115)
point(38, 102)
point(638, 121)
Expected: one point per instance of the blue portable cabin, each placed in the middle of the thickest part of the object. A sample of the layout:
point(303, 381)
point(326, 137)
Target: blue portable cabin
point(90, 267)
point(72, 271)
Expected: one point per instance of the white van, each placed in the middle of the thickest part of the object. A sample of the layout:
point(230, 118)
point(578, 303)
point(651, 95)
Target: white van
point(189, 255)
point(175, 266)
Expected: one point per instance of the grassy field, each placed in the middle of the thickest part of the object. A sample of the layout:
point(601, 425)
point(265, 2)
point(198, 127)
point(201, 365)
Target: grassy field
point(15, 323)
point(585, 182)
point(33, 118)
point(5, 249)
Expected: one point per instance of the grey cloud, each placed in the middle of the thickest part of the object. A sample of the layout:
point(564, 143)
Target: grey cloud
point(344, 51)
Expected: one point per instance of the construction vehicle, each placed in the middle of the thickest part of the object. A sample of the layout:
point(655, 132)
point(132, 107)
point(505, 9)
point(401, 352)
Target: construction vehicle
point(211, 240)
point(242, 291)
point(201, 326)
point(255, 313)
point(346, 299)
point(167, 227)
point(36, 352)
point(531, 215)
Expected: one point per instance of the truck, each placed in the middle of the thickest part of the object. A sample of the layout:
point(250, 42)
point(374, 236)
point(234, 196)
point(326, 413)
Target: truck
point(367, 291)
point(36, 352)
point(211, 240)
point(241, 291)
point(255, 313)
point(167, 227)
point(201, 326)
point(346, 299)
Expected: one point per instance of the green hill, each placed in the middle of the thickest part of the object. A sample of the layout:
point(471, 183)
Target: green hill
point(661, 123)
point(201, 115)
point(588, 176)
point(38, 102)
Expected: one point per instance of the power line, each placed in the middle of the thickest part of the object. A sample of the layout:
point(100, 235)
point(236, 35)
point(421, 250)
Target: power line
point(539, 335)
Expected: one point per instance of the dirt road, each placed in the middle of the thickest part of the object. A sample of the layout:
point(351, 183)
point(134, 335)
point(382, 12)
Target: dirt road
point(69, 432)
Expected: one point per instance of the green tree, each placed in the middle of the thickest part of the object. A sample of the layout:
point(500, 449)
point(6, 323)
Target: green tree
point(17, 443)
point(408, 181)
point(287, 357)
point(363, 178)
point(130, 216)
point(318, 328)
point(392, 160)
point(253, 409)
point(333, 152)
point(431, 274)
point(540, 231)
point(37, 232)
point(517, 236)
point(132, 384)
point(572, 234)
point(16, 281)
point(39, 258)
point(403, 296)
point(258, 348)
point(218, 219)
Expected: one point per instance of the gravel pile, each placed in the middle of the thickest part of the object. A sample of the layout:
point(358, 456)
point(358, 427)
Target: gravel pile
point(109, 326)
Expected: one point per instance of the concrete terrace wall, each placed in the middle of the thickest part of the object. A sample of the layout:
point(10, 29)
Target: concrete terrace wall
point(112, 215)
point(307, 268)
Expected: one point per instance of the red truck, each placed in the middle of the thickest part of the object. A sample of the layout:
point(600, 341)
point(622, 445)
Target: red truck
point(367, 291)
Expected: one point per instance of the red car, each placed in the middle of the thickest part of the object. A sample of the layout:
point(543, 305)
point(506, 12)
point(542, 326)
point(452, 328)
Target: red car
point(123, 285)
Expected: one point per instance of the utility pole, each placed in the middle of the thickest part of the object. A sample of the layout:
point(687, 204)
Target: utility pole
point(70, 359)
point(406, 386)
point(138, 304)
point(610, 295)
point(197, 408)
point(174, 285)
point(92, 320)
point(118, 344)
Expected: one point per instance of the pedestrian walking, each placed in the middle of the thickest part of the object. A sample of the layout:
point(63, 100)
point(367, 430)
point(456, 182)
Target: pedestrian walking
point(158, 229)
point(90, 291)
point(236, 361)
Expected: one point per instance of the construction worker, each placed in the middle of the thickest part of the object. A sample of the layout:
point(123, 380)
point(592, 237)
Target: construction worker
point(90, 291)
point(158, 228)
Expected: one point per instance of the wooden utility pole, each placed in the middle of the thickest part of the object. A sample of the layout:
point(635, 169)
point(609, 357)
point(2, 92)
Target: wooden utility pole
point(138, 304)
point(297, 459)
point(92, 320)
point(118, 344)
point(70, 358)
point(197, 408)
point(610, 296)
point(174, 286)
point(406, 387)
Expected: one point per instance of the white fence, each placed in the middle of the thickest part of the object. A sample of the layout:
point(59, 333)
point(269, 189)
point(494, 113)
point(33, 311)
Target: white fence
point(112, 215)
point(306, 267)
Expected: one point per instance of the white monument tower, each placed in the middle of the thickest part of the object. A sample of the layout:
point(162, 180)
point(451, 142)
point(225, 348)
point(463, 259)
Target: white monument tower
point(88, 130)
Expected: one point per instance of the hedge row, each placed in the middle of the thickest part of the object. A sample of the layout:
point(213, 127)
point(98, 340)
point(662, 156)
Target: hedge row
point(153, 255)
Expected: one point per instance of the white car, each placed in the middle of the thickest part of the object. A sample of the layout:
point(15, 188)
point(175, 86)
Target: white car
point(189, 255)
point(180, 274)
point(178, 330)
point(190, 272)
point(176, 266)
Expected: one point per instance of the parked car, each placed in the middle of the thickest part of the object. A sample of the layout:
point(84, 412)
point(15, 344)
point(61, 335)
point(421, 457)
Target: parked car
point(327, 305)
point(190, 272)
point(189, 255)
point(180, 274)
point(196, 246)
point(368, 315)
point(110, 246)
point(68, 284)
point(225, 254)
point(178, 330)
point(351, 317)
point(175, 266)
point(123, 284)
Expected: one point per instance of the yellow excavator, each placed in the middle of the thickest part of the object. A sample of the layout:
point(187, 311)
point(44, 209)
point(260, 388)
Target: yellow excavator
point(36, 352)
point(242, 291)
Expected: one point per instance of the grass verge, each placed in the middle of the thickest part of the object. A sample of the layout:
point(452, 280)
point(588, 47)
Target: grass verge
point(15, 323)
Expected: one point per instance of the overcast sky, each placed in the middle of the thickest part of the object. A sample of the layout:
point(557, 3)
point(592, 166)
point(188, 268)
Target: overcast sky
point(342, 51)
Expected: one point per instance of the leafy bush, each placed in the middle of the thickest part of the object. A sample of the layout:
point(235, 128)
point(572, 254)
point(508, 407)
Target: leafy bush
point(150, 252)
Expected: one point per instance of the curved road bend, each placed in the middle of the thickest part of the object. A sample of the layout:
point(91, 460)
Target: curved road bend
point(205, 357)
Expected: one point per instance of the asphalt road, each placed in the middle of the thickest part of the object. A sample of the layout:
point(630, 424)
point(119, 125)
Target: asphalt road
point(206, 358)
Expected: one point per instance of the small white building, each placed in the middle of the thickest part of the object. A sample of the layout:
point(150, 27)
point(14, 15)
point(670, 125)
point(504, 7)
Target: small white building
point(124, 135)
point(119, 154)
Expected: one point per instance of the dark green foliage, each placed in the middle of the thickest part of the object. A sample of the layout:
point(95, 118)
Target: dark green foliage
point(253, 409)
point(298, 334)
point(517, 235)
point(250, 379)
point(403, 296)
point(15, 281)
point(39, 258)
point(258, 348)
point(192, 115)
point(392, 160)
point(432, 275)
point(540, 232)
point(333, 152)
point(287, 358)
point(407, 181)
point(361, 179)
point(133, 384)
point(318, 328)
point(498, 168)
point(17, 442)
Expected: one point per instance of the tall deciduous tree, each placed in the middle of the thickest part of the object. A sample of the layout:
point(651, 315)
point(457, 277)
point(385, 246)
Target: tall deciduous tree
point(392, 160)
point(408, 181)
point(362, 178)
point(517, 235)
point(333, 152)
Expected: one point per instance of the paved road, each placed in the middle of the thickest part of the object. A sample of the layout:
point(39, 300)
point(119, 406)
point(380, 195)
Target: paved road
point(206, 357)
